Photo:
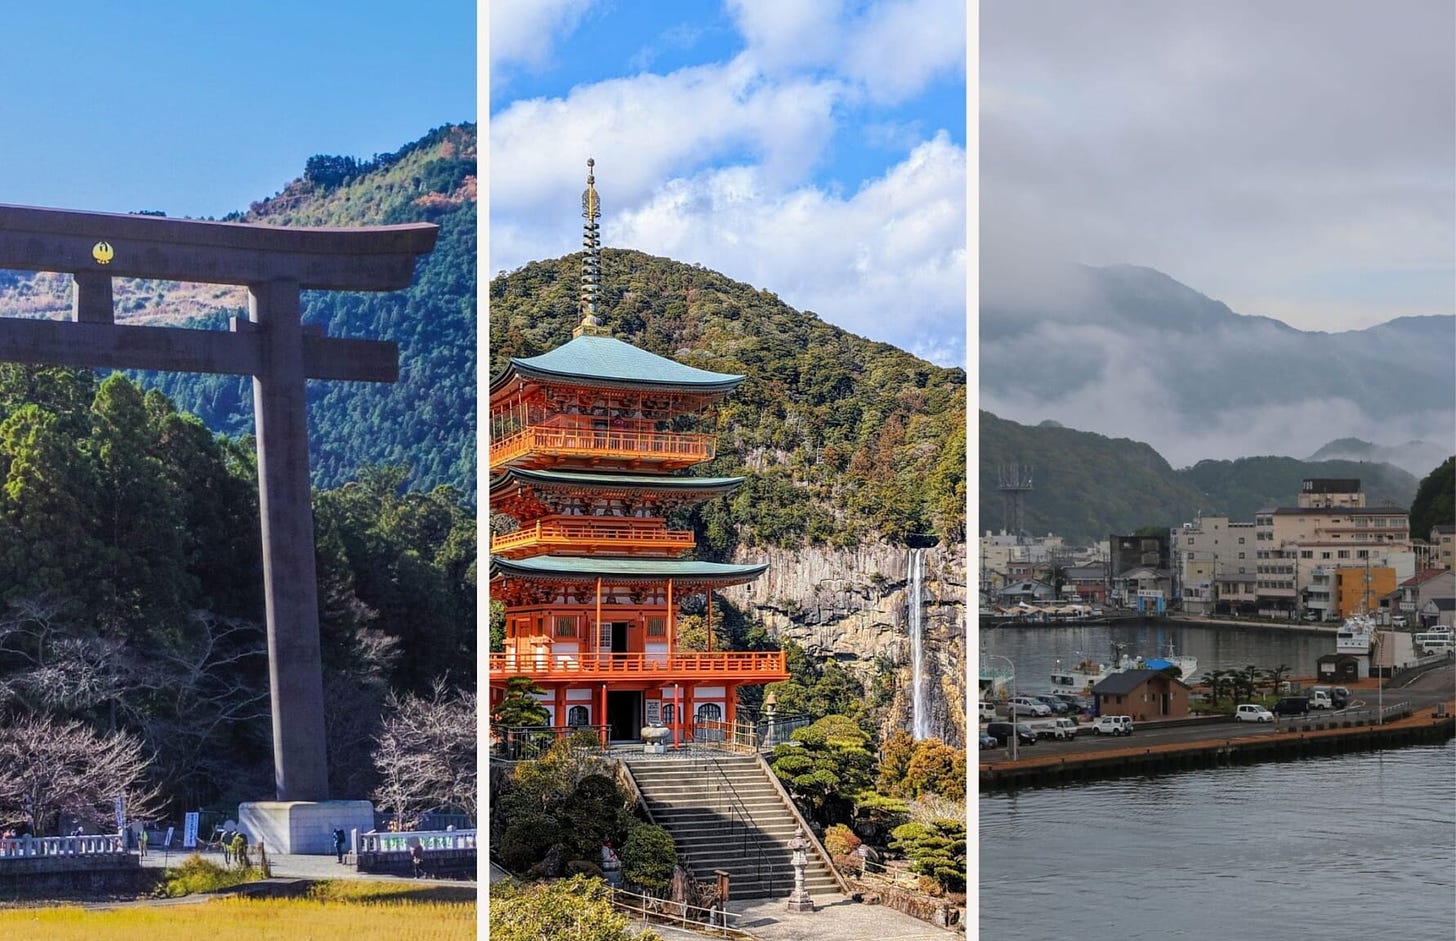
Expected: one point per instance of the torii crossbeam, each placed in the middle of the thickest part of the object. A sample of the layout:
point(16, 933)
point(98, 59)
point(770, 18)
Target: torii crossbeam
point(271, 345)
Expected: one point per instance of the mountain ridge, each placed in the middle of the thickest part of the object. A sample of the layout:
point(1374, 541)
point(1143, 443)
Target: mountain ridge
point(425, 421)
point(1128, 347)
point(1101, 485)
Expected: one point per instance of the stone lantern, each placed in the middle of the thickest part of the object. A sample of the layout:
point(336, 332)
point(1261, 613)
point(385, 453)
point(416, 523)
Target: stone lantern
point(799, 901)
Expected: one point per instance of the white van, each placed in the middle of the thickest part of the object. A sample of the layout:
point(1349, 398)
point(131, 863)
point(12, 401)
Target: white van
point(988, 711)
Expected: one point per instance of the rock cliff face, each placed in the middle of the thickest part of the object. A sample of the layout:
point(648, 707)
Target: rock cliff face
point(853, 605)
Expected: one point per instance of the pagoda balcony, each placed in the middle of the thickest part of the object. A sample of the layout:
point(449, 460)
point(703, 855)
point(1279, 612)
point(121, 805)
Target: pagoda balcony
point(740, 666)
point(552, 446)
point(592, 536)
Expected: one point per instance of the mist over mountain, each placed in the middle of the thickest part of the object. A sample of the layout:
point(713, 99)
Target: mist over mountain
point(1126, 351)
point(1087, 485)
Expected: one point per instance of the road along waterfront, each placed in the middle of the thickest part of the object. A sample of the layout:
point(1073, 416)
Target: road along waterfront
point(1415, 712)
point(1361, 845)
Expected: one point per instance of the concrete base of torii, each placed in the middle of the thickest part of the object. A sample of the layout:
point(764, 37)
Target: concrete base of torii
point(302, 827)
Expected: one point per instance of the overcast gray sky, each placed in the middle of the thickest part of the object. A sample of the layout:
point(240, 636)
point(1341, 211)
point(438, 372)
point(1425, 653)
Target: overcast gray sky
point(1293, 159)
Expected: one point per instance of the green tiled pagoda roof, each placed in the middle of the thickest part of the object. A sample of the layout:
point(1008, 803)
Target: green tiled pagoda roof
point(572, 568)
point(604, 361)
point(574, 479)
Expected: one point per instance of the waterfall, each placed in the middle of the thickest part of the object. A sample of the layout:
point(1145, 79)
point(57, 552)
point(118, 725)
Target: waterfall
point(919, 715)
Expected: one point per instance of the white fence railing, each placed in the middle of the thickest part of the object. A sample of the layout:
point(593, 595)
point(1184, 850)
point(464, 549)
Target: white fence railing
point(405, 840)
point(91, 844)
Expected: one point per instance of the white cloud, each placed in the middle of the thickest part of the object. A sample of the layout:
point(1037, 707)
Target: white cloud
point(713, 164)
point(898, 48)
point(887, 263)
point(786, 36)
point(890, 50)
point(649, 128)
point(524, 31)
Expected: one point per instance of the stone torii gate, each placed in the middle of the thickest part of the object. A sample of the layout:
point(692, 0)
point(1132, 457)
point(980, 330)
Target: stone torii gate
point(273, 346)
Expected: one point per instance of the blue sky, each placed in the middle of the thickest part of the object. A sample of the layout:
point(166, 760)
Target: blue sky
point(198, 109)
point(816, 150)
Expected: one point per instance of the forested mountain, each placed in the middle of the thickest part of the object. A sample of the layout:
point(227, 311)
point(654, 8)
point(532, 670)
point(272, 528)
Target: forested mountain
point(131, 587)
point(843, 440)
point(1086, 486)
point(426, 421)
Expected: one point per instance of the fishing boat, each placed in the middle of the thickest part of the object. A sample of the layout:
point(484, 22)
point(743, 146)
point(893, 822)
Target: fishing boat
point(1355, 635)
point(1088, 672)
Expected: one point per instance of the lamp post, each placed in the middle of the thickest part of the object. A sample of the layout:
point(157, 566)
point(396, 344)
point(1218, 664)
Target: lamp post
point(1012, 707)
point(770, 704)
point(1380, 684)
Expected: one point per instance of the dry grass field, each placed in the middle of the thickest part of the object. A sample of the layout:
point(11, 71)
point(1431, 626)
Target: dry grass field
point(357, 911)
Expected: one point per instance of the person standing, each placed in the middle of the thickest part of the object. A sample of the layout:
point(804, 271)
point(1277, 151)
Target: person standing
point(142, 842)
point(339, 842)
point(417, 859)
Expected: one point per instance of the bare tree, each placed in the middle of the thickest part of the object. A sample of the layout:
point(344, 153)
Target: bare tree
point(426, 754)
point(190, 699)
point(51, 767)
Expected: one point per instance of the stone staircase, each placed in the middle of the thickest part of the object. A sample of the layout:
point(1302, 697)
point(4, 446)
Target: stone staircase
point(724, 813)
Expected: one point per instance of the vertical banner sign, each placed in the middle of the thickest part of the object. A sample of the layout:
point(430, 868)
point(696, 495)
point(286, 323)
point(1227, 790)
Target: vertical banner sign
point(120, 813)
point(189, 829)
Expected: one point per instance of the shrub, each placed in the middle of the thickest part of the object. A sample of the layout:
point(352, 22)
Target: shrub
point(583, 867)
point(648, 857)
point(570, 908)
point(840, 840)
point(196, 874)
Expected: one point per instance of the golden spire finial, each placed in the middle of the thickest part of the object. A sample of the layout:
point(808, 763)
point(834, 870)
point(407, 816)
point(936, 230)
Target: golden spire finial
point(591, 261)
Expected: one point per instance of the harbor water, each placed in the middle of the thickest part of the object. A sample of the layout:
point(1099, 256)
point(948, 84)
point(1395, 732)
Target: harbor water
point(1036, 650)
point(1355, 846)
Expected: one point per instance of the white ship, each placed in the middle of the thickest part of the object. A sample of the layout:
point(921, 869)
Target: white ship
point(1355, 635)
point(1088, 672)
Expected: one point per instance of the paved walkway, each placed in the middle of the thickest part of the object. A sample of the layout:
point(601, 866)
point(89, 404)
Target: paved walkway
point(835, 918)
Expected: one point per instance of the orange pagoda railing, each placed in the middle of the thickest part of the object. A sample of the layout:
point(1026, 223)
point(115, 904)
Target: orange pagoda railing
point(765, 666)
point(659, 447)
point(587, 534)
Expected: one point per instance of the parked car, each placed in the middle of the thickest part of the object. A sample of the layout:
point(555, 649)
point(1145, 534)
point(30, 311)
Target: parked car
point(1112, 725)
point(989, 741)
point(987, 710)
point(1076, 705)
point(1058, 707)
point(1339, 696)
point(1002, 732)
point(1293, 706)
point(1062, 729)
point(1398, 621)
point(1026, 706)
point(1250, 712)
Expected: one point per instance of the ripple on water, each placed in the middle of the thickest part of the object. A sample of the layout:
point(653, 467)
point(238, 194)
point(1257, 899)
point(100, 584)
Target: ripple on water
point(1292, 850)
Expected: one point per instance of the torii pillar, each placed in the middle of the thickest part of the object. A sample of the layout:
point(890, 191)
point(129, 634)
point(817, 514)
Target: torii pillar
point(275, 264)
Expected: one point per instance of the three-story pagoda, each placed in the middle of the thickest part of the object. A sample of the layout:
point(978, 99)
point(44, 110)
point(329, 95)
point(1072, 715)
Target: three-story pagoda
point(585, 454)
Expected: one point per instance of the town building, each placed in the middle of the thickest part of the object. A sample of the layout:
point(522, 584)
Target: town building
point(1203, 550)
point(588, 442)
point(1304, 553)
point(1443, 546)
point(1143, 694)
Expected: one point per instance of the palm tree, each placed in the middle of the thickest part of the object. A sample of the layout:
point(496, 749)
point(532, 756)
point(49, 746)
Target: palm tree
point(1218, 684)
point(1276, 675)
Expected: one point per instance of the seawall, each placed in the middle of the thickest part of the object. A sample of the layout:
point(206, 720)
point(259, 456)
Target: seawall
point(1327, 736)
